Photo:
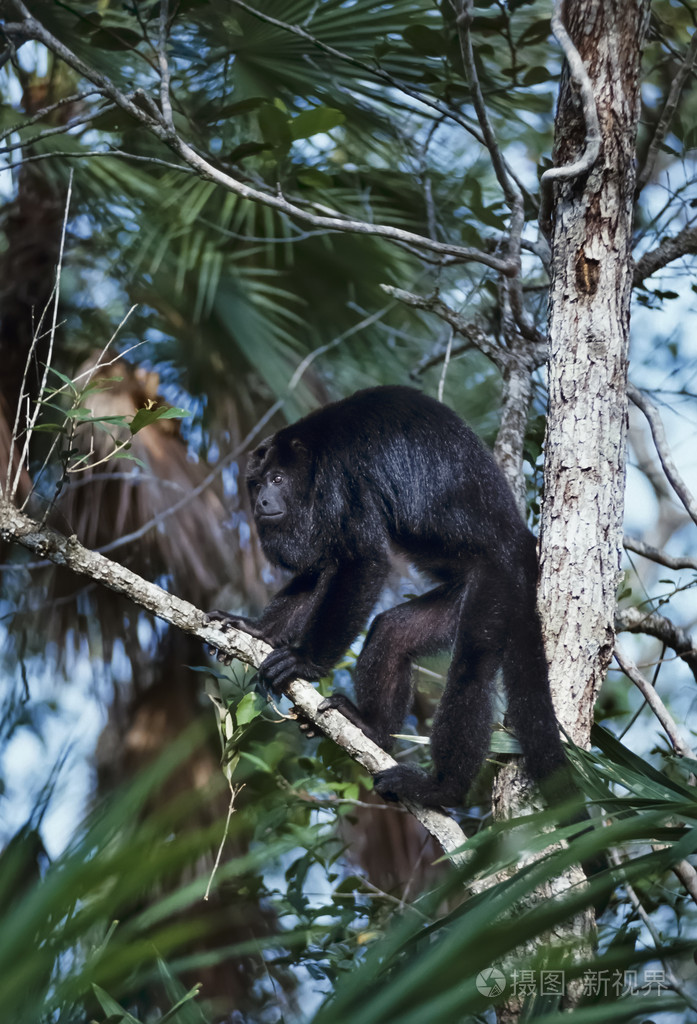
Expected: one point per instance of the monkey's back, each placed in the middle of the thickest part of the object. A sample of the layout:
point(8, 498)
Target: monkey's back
point(391, 460)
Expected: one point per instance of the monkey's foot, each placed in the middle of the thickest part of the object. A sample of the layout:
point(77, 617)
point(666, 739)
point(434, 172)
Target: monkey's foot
point(348, 709)
point(408, 782)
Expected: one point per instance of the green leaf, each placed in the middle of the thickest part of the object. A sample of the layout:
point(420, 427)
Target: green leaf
point(312, 122)
point(274, 126)
point(111, 1007)
point(313, 178)
point(61, 376)
point(144, 417)
point(538, 32)
point(242, 107)
point(249, 708)
point(537, 75)
point(425, 41)
point(246, 149)
point(257, 762)
point(115, 39)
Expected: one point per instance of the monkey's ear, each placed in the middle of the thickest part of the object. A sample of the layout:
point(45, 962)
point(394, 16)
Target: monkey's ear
point(256, 458)
point(300, 450)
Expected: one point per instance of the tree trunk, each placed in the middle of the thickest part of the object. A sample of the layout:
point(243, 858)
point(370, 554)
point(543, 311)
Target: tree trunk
point(591, 278)
point(589, 304)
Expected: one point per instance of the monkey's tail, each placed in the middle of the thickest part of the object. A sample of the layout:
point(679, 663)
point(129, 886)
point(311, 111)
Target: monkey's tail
point(530, 706)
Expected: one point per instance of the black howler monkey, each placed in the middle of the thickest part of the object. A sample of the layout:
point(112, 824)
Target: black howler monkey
point(391, 469)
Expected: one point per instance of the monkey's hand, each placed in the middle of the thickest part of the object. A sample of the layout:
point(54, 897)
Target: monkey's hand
point(408, 781)
point(285, 664)
point(227, 622)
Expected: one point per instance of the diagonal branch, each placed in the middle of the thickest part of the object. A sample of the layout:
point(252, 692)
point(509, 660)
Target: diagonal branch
point(667, 114)
point(67, 551)
point(680, 746)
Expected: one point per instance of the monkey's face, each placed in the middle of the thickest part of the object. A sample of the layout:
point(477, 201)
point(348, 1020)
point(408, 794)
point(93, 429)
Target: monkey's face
point(279, 483)
point(278, 480)
point(272, 497)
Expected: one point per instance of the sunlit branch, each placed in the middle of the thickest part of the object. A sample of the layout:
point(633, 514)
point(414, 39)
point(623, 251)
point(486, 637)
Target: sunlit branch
point(67, 551)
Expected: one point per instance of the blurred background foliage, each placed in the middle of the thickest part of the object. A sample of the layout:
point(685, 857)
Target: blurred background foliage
point(245, 319)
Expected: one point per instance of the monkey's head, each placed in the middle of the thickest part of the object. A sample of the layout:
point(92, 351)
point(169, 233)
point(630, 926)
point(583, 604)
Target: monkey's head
point(279, 480)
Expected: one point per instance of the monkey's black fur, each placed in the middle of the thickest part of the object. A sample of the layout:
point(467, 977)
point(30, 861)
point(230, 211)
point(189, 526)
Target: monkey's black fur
point(391, 469)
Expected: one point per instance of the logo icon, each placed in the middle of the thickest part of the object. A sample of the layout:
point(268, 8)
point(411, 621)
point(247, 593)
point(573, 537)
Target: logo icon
point(491, 982)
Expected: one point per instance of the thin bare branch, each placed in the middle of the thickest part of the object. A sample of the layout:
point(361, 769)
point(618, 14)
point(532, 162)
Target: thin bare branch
point(40, 114)
point(463, 13)
point(651, 413)
point(163, 64)
point(682, 244)
point(61, 129)
point(234, 793)
point(446, 362)
point(664, 122)
point(680, 746)
point(633, 620)
point(155, 161)
point(367, 321)
point(673, 980)
point(500, 356)
point(512, 192)
point(52, 337)
point(656, 555)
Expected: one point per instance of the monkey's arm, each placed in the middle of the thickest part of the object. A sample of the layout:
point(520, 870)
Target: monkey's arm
point(285, 617)
point(321, 623)
point(313, 619)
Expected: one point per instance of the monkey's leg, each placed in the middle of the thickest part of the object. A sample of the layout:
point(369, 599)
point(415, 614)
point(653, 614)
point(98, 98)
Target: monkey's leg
point(463, 721)
point(383, 676)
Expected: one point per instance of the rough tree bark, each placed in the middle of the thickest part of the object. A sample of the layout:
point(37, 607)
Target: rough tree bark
point(588, 322)
point(591, 280)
